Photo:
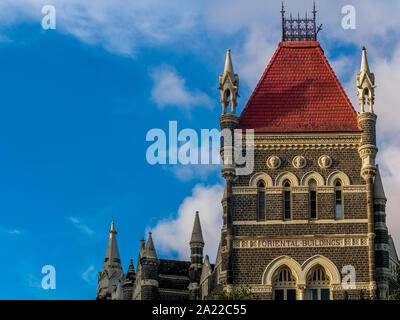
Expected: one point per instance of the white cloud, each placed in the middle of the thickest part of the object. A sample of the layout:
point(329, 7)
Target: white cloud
point(173, 235)
point(170, 89)
point(253, 56)
point(120, 26)
point(89, 275)
point(81, 226)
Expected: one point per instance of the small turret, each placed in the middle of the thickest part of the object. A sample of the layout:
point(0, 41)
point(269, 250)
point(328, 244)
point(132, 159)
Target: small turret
point(129, 282)
point(149, 271)
point(196, 258)
point(229, 87)
point(365, 83)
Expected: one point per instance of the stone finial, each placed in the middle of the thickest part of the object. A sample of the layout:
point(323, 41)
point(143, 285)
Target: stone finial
point(365, 83)
point(229, 85)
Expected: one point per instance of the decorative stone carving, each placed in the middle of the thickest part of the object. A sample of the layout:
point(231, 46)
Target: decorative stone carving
point(299, 162)
point(274, 162)
point(325, 161)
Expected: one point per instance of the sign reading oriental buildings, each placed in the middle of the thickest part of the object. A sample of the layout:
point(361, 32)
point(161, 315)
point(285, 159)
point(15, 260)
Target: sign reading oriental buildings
point(313, 206)
point(300, 243)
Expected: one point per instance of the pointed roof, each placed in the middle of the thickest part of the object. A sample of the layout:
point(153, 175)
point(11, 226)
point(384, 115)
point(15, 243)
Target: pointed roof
point(112, 258)
point(130, 274)
point(299, 92)
point(228, 64)
point(379, 192)
point(150, 251)
point(197, 235)
point(364, 62)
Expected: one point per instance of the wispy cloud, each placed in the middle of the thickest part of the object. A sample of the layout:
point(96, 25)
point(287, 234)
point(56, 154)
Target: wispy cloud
point(10, 231)
point(170, 89)
point(81, 226)
point(89, 275)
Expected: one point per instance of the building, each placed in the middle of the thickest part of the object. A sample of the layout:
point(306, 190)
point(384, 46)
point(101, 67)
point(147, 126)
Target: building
point(309, 222)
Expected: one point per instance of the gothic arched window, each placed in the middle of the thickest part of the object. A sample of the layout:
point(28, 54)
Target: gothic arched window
point(338, 200)
point(318, 284)
point(284, 284)
point(286, 200)
point(313, 199)
point(261, 201)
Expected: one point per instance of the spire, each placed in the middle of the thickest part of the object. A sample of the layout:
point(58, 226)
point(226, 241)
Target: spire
point(197, 235)
point(150, 251)
point(365, 83)
point(379, 193)
point(228, 64)
point(112, 275)
point(131, 271)
point(364, 62)
point(112, 254)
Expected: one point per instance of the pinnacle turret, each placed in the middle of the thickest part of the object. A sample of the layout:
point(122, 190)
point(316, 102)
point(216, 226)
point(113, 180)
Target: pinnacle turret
point(130, 274)
point(365, 83)
point(197, 235)
point(229, 85)
point(150, 251)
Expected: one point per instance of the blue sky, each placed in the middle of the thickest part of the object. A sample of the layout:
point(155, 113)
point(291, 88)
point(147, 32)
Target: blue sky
point(77, 102)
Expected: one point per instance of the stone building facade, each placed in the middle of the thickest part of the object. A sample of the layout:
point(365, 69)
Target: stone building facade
point(309, 222)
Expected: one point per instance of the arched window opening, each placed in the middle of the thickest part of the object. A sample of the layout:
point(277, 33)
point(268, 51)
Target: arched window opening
point(284, 284)
point(318, 284)
point(227, 96)
point(261, 201)
point(313, 199)
point(338, 200)
point(286, 201)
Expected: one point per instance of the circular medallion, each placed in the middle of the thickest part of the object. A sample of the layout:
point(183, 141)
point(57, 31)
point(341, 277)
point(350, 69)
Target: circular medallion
point(299, 162)
point(273, 162)
point(325, 161)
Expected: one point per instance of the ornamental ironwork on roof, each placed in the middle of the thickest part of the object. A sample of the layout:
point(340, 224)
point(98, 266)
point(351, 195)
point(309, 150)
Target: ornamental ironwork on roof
point(299, 29)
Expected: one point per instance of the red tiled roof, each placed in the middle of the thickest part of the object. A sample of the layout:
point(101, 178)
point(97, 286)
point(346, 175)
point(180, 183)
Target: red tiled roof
point(299, 92)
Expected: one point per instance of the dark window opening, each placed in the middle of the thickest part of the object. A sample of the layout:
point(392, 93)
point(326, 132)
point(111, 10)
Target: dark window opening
point(286, 201)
